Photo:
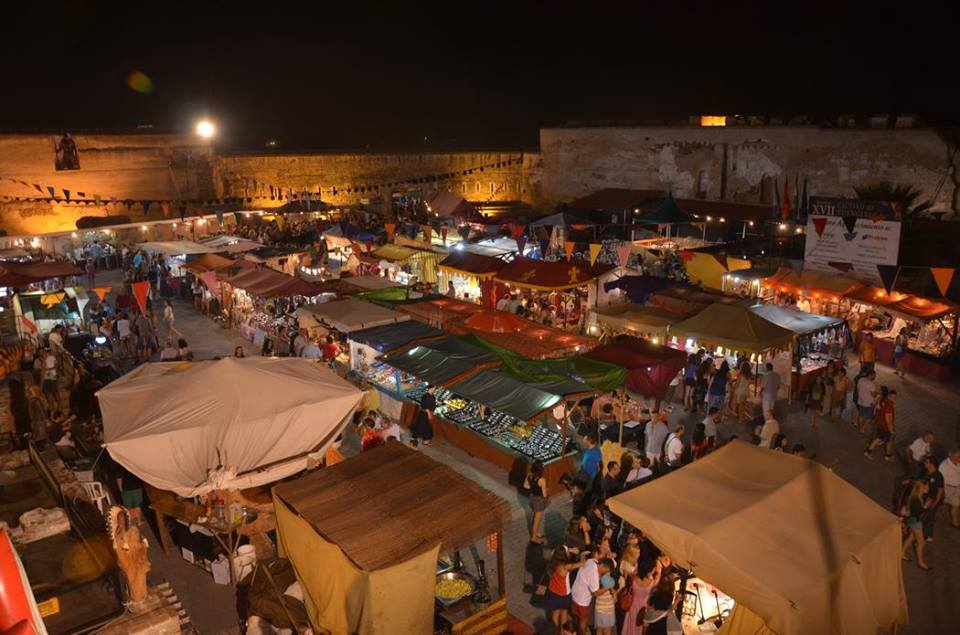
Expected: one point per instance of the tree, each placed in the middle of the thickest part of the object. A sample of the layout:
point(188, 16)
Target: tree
point(904, 196)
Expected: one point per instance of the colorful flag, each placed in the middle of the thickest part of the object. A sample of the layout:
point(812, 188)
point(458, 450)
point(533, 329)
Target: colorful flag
point(140, 291)
point(101, 292)
point(943, 276)
point(623, 253)
point(391, 229)
point(568, 248)
point(146, 208)
point(595, 249)
point(888, 274)
point(819, 224)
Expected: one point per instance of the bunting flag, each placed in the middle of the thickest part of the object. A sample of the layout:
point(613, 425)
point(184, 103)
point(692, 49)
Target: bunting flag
point(516, 230)
point(521, 243)
point(443, 234)
point(544, 247)
point(888, 274)
point(943, 276)
point(96, 199)
point(52, 299)
point(722, 259)
point(38, 188)
point(52, 190)
point(819, 224)
point(66, 194)
point(146, 208)
point(165, 207)
point(219, 214)
point(391, 229)
point(140, 291)
point(568, 247)
point(850, 222)
point(595, 249)
point(113, 200)
point(27, 322)
point(845, 267)
point(101, 292)
point(623, 253)
point(687, 255)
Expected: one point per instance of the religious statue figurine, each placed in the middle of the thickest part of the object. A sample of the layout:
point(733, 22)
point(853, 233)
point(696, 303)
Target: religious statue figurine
point(131, 550)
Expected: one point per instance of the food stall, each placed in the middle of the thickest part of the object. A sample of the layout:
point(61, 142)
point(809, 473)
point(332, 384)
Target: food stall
point(439, 362)
point(931, 328)
point(735, 333)
point(46, 309)
point(349, 315)
point(176, 252)
point(403, 263)
point(508, 422)
point(467, 271)
point(810, 291)
point(817, 341)
point(741, 505)
point(567, 289)
point(523, 337)
point(369, 564)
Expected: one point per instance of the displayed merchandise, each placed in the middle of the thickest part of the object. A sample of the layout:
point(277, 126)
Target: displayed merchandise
point(392, 379)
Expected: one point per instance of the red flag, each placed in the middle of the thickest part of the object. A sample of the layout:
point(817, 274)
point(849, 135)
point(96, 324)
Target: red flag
point(29, 324)
point(516, 230)
point(819, 224)
point(391, 228)
point(165, 206)
point(101, 292)
point(687, 255)
point(568, 247)
point(623, 253)
point(140, 291)
point(210, 279)
point(943, 276)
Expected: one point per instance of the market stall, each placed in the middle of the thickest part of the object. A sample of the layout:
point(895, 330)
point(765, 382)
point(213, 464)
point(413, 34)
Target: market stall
point(931, 328)
point(799, 549)
point(369, 564)
point(404, 263)
point(367, 345)
point(466, 271)
point(810, 291)
point(176, 253)
point(509, 422)
point(439, 362)
point(738, 334)
point(349, 315)
point(650, 367)
point(438, 312)
point(40, 311)
point(565, 290)
point(651, 323)
point(817, 341)
point(25, 274)
point(225, 243)
point(526, 338)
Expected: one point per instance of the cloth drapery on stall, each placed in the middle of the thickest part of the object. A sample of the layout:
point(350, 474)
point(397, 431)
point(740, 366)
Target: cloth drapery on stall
point(786, 537)
point(174, 423)
point(735, 327)
point(649, 367)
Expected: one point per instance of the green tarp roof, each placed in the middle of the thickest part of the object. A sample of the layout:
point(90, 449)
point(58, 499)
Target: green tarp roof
point(429, 365)
point(506, 394)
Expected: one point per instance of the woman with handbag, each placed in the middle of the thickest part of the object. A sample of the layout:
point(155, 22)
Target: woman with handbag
point(633, 599)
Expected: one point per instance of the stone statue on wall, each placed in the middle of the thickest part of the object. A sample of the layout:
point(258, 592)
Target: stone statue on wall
point(131, 550)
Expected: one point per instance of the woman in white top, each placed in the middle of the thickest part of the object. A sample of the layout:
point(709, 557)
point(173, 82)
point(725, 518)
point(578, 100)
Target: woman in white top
point(168, 320)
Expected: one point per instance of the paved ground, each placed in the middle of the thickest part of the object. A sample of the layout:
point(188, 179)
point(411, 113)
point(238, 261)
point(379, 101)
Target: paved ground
point(922, 405)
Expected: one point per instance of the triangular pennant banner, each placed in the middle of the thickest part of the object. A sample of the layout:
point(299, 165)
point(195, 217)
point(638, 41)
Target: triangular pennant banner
point(722, 259)
point(96, 199)
point(888, 274)
point(623, 253)
point(819, 224)
point(165, 206)
point(66, 194)
point(568, 248)
point(443, 234)
point(101, 292)
point(210, 279)
point(544, 247)
point(52, 190)
point(391, 229)
point(687, 255)
point(219, 214)
point(52, 299)
point(27, 322)
point(146, 208)
point(516, 230)
point(595, 249)
point(140, 290)
point(943, 276)
point(841, 266)
point(521, 243)
point(849, 222)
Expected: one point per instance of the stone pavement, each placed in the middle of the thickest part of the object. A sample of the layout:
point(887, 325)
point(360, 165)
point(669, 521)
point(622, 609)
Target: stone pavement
point(922, 405)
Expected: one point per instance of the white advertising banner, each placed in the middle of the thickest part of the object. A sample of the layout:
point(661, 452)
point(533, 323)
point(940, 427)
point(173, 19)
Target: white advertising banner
point(851, 237)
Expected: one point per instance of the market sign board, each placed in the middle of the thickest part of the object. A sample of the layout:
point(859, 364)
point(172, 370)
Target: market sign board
point(850, 237)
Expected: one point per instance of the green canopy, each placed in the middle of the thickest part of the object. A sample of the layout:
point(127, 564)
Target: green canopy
point(667, 213)
point(506, 393)
point(382, 296)
point(598, 375)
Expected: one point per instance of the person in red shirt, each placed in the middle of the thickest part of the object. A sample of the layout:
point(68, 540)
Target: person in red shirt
point(885, 424)
point(330, 350)
point(371, 436)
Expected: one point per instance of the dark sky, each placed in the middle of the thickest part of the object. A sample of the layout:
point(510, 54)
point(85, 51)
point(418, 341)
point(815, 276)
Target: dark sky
point(466, 74)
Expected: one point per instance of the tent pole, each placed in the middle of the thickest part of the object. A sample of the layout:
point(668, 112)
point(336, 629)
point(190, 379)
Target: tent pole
point(563, 432)
point(622, 393)
point(501, 575)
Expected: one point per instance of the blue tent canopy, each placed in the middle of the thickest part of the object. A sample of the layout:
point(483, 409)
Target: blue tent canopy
point(390, 337)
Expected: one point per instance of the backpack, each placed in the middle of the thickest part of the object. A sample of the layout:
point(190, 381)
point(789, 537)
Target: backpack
point(625, 598)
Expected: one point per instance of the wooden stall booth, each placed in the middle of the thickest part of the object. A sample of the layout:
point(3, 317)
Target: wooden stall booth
point(366, 538)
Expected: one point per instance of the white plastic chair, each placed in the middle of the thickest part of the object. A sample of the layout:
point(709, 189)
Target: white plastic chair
point(98, 494)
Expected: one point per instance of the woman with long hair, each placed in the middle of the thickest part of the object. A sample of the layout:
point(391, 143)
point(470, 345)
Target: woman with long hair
point(536, 486)
point(916, 506)
point(689, 379)
point(741, 391)
point(557, 597)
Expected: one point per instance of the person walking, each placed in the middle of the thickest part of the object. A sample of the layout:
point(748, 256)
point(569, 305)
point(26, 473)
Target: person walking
point(934, 496)
point(950, 469)
point(769, 387)
point(536, 486)
point(168, 320)
point(868, 353)
point(866, 393)
point(815, 398)
point(916, 506)
point(884, 425)
point(916, 451)
point(899, 350)
point(838, 402)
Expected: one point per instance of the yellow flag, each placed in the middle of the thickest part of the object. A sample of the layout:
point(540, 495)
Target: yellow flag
point(595, 250)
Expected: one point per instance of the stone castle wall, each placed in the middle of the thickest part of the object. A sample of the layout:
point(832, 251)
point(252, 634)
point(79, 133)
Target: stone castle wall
point(740, 163)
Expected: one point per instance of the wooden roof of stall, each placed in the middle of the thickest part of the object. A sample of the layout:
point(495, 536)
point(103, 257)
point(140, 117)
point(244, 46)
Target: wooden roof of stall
point(392, 503)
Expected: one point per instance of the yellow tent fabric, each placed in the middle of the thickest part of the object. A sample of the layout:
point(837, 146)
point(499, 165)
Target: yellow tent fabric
point(422, 263)
point(704, 270)
point(636, 318)
point(735, 327)
point(394, 253)
point(343, 599)
point(786, 537)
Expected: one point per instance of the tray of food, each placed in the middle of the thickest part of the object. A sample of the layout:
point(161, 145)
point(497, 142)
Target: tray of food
point(453, 586)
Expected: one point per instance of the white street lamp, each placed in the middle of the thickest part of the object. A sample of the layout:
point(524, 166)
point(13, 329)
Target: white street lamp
point(206, 129)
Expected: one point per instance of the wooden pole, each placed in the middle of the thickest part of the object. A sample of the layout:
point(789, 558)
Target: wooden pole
point(563, 432)
point(501, 574)
point(622, 392)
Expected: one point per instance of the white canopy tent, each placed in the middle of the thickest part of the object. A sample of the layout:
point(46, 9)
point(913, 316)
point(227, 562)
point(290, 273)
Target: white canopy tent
point(353, 315)
point(177, 248)
point(800, 549)
point(191, 427)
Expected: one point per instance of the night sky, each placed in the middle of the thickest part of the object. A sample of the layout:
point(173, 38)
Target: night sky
point(465, 75)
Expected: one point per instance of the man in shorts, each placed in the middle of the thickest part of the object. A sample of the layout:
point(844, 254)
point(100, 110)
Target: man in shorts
point(586, 586)
point(866, 396)
point(51, 389)
point(950, 469)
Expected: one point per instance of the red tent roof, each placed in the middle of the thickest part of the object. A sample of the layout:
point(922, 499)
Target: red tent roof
point(545, 275)
point(476, 264)
point(268, 283)
point(14, 274)
point(526, 338)
point(439, 311)
point(650, 368)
